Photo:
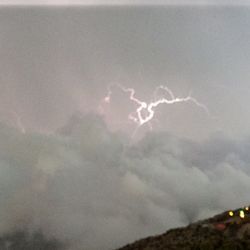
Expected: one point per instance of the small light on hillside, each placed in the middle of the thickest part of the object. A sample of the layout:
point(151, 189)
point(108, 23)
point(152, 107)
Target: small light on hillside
point(231, 213)
point(247, 208)
point(242, 214)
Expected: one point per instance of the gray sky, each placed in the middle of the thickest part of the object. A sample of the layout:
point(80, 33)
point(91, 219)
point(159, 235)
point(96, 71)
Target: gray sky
point(55, 62)
point(125, 2)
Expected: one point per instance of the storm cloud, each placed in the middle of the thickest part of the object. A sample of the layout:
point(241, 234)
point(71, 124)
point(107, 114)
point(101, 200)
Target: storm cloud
point(74, 172)
point(56, 61)
point(86, 186)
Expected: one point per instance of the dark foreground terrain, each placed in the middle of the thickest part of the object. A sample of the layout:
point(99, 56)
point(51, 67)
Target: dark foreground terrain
point(227, 231)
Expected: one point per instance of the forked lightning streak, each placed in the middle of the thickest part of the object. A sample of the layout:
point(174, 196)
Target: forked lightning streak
point(145, 111)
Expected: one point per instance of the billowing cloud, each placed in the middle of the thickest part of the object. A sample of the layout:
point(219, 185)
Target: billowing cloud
point(90, 187)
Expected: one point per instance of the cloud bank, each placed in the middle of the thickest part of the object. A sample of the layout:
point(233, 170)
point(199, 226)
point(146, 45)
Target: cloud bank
point(89, 187)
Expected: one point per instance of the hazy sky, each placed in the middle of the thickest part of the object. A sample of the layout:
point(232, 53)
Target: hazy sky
point(67, 161)
point(126, 2)
point(55, 62)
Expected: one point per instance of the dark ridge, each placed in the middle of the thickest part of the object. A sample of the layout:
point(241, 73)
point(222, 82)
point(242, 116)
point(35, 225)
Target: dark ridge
point(222, 232)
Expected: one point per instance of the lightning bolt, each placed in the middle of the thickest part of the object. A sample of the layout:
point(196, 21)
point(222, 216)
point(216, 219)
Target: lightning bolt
point(145, 112)
point(19, 123)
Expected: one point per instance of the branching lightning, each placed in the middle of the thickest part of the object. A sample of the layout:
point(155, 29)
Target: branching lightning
point(145, 112)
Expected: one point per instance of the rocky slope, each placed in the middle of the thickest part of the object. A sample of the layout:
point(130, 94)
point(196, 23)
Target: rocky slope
point(227, 231)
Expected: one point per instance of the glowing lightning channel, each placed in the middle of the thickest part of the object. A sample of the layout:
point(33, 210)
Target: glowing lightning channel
point(19, 122)
point(145, 111)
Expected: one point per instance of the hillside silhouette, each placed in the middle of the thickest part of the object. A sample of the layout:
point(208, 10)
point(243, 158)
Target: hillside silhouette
point(227, 231)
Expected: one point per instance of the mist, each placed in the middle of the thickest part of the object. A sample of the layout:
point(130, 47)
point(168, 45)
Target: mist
point(87, 186)
point(89, 177)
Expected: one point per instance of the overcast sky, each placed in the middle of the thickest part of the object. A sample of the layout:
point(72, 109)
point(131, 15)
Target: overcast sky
point(56, 62)
point(126, 2)
point(68, 164)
